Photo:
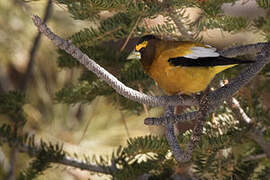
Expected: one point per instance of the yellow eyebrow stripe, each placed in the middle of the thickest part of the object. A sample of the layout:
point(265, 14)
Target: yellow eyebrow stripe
point(141, 45)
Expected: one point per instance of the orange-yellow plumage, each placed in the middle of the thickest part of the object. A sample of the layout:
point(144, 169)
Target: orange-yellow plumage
point(175, 79)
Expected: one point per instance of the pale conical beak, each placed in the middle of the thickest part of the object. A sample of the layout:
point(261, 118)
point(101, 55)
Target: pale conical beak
point(134, 55)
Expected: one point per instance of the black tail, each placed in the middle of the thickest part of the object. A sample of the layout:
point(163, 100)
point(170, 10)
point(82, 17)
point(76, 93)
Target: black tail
point(207, 61)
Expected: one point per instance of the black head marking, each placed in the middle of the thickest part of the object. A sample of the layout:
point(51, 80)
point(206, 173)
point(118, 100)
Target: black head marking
point(143, 42)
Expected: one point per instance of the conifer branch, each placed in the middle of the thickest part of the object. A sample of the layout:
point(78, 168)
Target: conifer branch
point(180, 25)
point(106, 76)
point(34, 150)
point(85, 166)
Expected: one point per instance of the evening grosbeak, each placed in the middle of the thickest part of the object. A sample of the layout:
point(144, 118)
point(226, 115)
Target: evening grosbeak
point(182, 66)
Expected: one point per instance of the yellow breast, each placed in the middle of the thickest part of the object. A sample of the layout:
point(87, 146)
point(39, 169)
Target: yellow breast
point(186, 80)
point(175, 79)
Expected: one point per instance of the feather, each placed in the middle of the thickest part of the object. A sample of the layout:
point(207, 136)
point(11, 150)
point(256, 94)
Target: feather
point(206, 61)
point(198, 52)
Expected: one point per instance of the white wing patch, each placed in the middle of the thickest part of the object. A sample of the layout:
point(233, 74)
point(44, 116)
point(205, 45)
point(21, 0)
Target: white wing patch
point(198, 52)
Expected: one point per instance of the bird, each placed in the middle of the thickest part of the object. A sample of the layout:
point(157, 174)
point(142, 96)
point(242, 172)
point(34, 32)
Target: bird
point(182, 67)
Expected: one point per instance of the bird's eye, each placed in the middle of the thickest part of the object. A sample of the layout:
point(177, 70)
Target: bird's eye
point(141, 50)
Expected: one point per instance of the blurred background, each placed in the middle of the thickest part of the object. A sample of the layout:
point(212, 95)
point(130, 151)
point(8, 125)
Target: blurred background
point(85, 128)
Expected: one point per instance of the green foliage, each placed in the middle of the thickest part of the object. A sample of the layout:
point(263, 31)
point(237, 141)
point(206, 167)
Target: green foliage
point(126, 104)
point(11, 103)
point(223, 148)
point(144, 155)
point(213, 8)
point(226, 23)
point(115, 27)
point(102, 54)
point(44, 153)
point(132, 74)
point(263, 23)
point(48, 153)
point(144, 145)
point(263, 3)
point(66, 60)
point(83, 92)
point(262, 173)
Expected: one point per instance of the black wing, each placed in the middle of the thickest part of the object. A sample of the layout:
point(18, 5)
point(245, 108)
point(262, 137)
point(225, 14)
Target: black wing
point(206, 61)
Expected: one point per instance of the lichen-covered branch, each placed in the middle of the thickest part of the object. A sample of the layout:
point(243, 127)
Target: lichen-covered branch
point(241, 50)
point(172, 119)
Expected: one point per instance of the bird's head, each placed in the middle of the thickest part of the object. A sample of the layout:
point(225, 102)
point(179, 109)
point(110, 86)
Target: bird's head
point(143, 42)
point(145, 50)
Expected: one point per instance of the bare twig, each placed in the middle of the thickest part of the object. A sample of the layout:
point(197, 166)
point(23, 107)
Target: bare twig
point(84, 166)
point(255, 157)
point(131, 32)
point(125, 123)
point(238, 111)
point(13, 158)
point(28, 72)
point(106, 76)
